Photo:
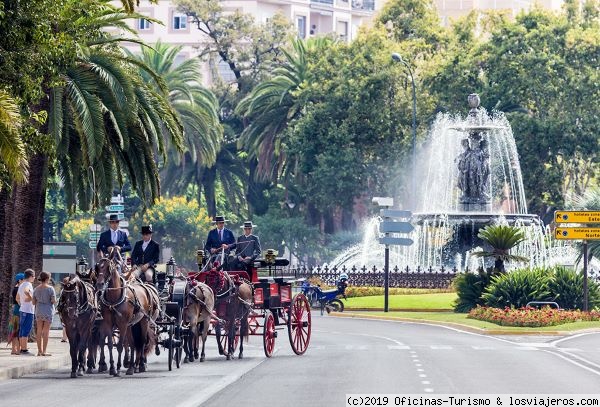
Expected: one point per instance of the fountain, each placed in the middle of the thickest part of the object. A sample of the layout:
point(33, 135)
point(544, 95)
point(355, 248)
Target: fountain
point(471, 178)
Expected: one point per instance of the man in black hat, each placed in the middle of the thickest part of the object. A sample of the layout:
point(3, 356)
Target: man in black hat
point(146, 254)
point(219, 238)
point(113, 237)
point(247, 248)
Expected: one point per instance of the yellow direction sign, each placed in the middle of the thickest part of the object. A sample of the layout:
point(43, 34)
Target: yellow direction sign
point(577, 217)
point(577, 233)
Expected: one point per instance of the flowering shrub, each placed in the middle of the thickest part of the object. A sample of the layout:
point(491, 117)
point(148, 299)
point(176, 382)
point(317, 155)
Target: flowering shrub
point(78, 231)
point(531, 317)
point(178, 223)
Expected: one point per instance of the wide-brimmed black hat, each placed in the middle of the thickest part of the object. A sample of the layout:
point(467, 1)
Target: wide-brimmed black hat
point(219, 219)
point(248, 224)
point(146, 230)
point(113, 217)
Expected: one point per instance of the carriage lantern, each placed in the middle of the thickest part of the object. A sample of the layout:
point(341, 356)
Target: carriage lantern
point(171, 267)
point(270, 256)
point(199, 257)
point(81, 266)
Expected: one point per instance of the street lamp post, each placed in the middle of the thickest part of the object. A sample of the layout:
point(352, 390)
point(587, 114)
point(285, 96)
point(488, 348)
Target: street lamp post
point(398, 58)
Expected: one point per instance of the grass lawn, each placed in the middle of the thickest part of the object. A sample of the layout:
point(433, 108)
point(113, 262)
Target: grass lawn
point(462, 319)
point(411, 301)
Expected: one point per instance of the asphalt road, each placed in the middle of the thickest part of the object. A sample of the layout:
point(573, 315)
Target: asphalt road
point(344, 356)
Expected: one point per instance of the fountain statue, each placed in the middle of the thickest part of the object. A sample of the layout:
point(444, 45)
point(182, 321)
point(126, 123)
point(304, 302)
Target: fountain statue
point(470, 178)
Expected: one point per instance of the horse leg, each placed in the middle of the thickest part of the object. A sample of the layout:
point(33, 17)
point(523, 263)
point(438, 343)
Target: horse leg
point(73, 352)
point(102, 367)
point(243, 334)
point(218, 334)
point(112, 370)
point(82, 346)
point(205, 325)
point(92, 349)
point(196, 339)
point(231, 339)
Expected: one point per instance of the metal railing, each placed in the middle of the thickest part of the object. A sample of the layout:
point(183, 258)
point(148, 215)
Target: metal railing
point(363, 276)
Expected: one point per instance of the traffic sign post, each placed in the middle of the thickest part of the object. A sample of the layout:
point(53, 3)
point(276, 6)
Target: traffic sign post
point(389, 225)
point(581, 233)
point(577, 216)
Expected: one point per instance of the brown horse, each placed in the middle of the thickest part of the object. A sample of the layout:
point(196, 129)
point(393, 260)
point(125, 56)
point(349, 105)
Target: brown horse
point(233, 302)
point(77, 309)
point(123, 306)
point(198, 309)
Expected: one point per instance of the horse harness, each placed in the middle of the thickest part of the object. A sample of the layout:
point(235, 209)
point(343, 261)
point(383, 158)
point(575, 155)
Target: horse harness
point(89, 300)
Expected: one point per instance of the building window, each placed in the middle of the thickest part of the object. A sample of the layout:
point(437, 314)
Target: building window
point(179, 21)
point(301, 21)
point(342, 30)
point(144, 24)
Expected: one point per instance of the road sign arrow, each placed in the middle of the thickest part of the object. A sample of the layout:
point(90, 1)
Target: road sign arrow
point(577, 233)
point(95, 228)
point(397, 241)
point(395, 227)
point(577, 216)
point(395, 213)
point(114, 208)
point(92, 245)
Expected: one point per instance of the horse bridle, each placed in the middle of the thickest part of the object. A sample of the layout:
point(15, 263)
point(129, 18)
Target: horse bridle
point(79, 307)
point(102, 292)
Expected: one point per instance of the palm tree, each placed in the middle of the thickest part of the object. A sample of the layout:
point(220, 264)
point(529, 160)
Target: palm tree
point(13, 158)
point(273, 104)
point(198, 109)
point(107, 116)
point(501, 238)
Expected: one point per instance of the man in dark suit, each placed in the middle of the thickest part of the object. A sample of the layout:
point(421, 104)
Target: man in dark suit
point(247, 249)
point(219, 238)
point(113, 237)
point(146, 254)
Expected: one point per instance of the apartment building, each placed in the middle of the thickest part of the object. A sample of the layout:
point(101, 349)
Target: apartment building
point(452, 9)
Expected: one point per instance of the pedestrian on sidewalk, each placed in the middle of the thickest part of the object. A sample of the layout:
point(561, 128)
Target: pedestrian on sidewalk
point(44, 298)
point(27, 309)
point(13, 326)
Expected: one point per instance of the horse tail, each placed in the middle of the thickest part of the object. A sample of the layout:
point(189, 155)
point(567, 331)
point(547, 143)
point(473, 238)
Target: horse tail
point(151, 341)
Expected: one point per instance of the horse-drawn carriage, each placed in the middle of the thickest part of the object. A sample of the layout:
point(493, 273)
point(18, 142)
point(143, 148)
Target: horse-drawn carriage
point(274, 306)
point(179, 310)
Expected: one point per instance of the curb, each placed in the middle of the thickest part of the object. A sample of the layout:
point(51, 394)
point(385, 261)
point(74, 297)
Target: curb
point(464, 327)
point(54, 362)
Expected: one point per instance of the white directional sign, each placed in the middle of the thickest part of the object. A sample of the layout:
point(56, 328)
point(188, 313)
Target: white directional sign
point(389, 226)
point(115, 208)
point(94, 235)
point(95, 227)
point(119, 215)
point(92, 245)
point(123, 224)
point(396, 241)
point(395, 213)
point(117, 199)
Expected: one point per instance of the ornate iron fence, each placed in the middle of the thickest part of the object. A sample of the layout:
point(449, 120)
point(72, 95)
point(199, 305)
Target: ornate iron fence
point(405, 277)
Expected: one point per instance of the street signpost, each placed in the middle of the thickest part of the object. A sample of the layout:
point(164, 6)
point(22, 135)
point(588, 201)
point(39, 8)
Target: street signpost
point(120, 215)
point(123, 224)
point(115, 208)
point(579, 233)
point(390, 224)
point(395, 227)
point(92, 244)
point(577, 216)
point(95, 227)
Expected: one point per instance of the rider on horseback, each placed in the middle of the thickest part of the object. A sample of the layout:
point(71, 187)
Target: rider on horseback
point(145, 255)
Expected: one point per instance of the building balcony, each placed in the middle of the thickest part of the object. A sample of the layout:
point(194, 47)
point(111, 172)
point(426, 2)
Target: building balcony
point(323, 2)
point(364, 5)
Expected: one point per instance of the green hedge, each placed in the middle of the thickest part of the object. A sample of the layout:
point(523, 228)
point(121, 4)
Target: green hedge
point(558, 284)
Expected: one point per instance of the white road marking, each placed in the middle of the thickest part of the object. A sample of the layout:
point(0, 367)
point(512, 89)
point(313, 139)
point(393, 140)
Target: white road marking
point(445, 347)
point(398, 347)
point(428, 390)
point(422, 375)
point(425, 382)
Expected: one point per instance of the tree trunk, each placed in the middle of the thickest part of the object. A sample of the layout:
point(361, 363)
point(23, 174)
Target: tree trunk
point(257, 203)
point(6, 278)
point(209, 179)
point(24, 231)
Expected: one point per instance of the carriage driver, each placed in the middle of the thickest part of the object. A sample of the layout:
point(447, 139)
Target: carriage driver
point(219, 238)
point(247, 249)
point(145, 255)
point(113, 237)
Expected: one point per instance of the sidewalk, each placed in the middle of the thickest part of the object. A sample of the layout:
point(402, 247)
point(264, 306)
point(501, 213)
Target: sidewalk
point(14, 366)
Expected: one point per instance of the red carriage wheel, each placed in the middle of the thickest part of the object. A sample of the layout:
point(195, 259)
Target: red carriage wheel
point(269, 334)
point(299, 324)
